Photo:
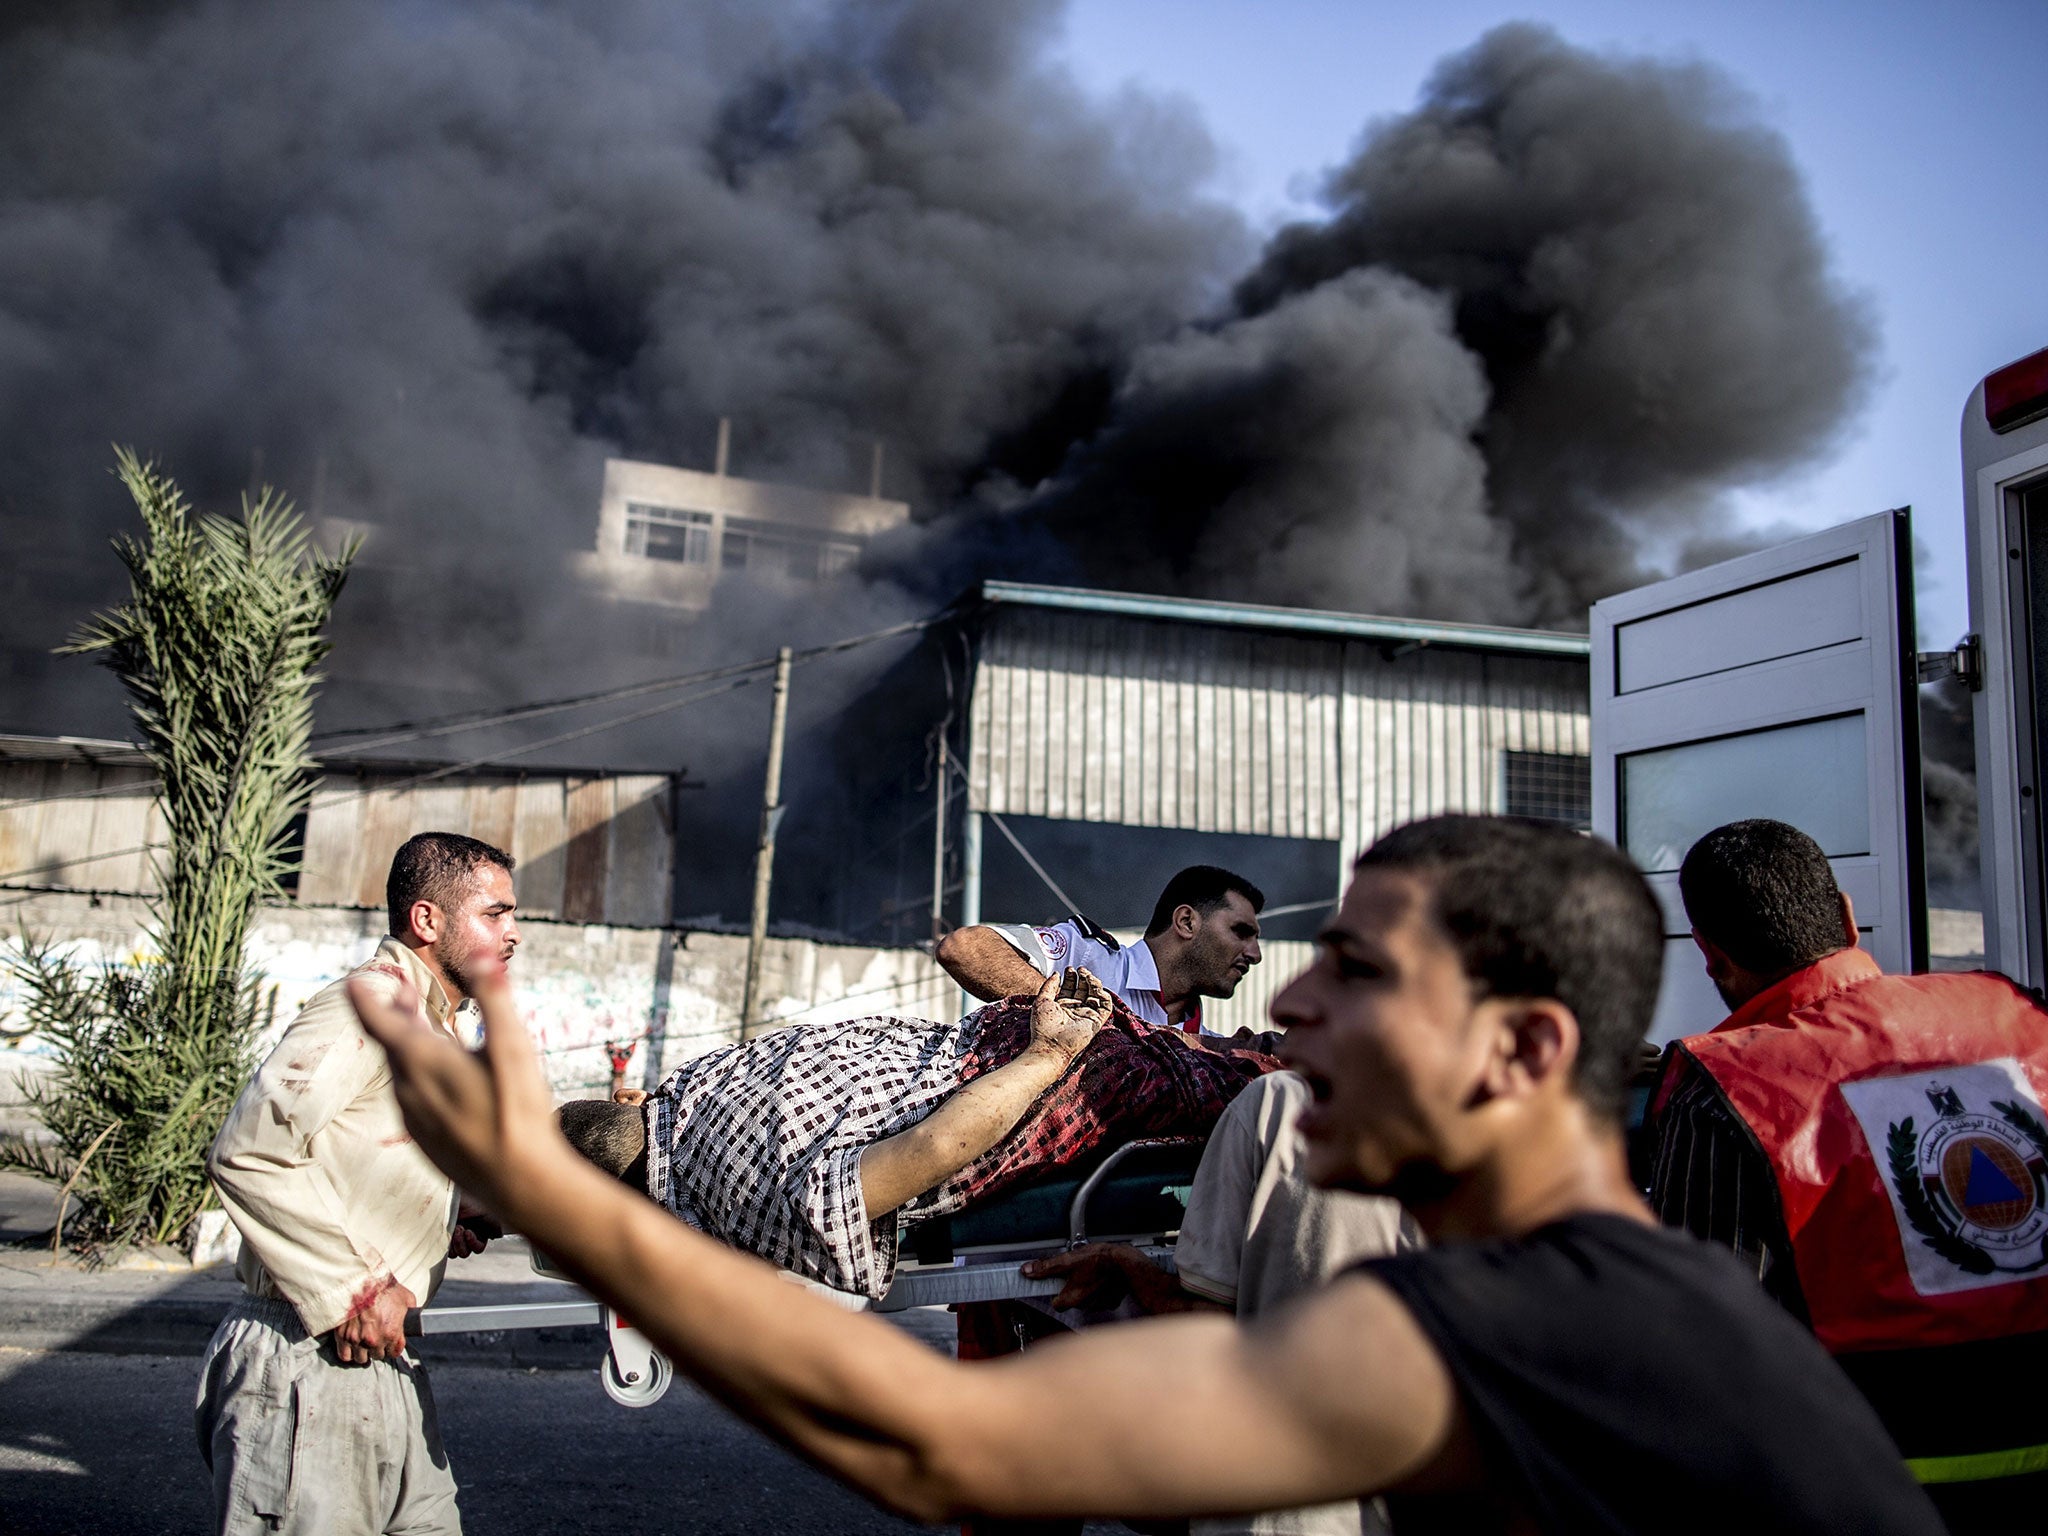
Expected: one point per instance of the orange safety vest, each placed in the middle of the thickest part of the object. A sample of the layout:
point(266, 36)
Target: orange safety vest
point(1902, 1117)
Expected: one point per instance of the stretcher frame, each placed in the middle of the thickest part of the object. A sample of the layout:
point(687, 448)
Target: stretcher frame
point(636, 1375)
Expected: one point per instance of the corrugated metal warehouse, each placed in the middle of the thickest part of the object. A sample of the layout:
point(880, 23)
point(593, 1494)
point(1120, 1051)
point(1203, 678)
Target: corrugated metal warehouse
point(1090, 715)
point(592, 847)
point(1222, 717)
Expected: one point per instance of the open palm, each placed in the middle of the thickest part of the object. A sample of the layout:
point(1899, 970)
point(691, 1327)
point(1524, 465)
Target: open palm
point(1068, 1012)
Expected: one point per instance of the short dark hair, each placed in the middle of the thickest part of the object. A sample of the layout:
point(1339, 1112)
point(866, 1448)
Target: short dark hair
point(613, 1136)
point(436, 867)
point(1205, 888)
point(1765, 894)
point(1535, 909)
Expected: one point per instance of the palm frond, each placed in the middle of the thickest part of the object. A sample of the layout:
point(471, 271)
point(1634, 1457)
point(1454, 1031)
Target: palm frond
point(218, 647)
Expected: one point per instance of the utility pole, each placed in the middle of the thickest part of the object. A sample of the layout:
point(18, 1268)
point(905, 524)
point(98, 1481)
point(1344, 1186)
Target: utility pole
point(939, 843)
point(764, 849)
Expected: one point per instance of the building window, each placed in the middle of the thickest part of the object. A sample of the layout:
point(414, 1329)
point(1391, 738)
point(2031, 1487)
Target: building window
point(668, 533)
point(1550, 786)
point(781, 549)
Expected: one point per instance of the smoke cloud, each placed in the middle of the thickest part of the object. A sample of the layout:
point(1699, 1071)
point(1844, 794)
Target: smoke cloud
point(425, 266)
point(1555, 313)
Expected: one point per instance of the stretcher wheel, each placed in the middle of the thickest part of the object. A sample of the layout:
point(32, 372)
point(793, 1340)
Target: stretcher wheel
point(641, 1393)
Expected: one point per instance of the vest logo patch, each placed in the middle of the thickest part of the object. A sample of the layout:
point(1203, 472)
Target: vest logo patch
point(1963, 1153)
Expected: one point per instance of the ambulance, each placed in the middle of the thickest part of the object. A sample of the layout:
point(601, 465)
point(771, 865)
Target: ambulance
point(1785, 683)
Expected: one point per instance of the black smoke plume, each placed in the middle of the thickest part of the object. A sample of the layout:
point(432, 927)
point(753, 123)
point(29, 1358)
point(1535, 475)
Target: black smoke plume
point(426, 266)
point(1554, 313)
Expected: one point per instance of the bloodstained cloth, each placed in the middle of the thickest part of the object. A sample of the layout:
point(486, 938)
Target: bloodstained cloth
point(759, 1143)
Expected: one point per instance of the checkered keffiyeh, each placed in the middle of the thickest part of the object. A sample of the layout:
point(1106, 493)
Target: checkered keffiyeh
point(759, 1143)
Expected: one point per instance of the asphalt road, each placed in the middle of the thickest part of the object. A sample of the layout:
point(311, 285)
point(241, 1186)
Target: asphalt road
point(103, 1443)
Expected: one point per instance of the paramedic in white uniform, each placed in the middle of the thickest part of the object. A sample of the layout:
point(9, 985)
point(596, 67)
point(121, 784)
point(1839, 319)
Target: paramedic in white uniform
point(1203, 938)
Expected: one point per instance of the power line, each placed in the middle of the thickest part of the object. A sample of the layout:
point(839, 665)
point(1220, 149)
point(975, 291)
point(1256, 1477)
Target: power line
point(474, 720)
point(905, 984)
point(1037, 868)
point(445, 725)
point(554, 741)
point(1320, 905)
point(90, 858)
point(400, 732)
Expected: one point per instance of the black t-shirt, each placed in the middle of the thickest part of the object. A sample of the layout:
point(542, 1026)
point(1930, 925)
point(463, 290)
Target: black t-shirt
point(1624, 1378)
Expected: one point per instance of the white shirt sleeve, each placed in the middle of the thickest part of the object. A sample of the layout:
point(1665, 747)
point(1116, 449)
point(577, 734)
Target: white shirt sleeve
point(1028, 942)
point(1062, 946)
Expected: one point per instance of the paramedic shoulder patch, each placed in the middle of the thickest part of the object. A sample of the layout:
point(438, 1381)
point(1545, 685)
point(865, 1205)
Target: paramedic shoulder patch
point(1963, 1152)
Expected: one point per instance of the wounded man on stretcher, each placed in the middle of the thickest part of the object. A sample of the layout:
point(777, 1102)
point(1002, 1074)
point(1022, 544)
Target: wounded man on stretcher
point(807, 1146)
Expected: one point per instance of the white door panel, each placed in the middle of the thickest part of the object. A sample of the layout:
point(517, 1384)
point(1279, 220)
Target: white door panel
point(1777, 692)
point(1788, 617)
point(1687, 995)
point(1778, 684)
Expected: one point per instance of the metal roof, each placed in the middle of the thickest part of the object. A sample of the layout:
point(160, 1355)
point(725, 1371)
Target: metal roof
point(94, 753)
point(70, 749)
point(1412, 632)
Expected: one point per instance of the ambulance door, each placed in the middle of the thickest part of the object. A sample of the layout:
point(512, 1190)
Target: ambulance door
point(2005, 526)
point(1779, 684)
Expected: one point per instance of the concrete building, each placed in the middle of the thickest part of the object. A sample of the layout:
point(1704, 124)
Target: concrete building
point(666, 535)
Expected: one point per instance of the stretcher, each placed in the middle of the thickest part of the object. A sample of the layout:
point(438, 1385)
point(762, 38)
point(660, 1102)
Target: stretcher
point(1138, 1195)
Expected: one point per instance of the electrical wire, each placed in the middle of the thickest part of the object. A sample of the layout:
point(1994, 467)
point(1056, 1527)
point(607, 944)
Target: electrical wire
point(410, 730)
point(399, 732)
point(476, 720)
point(1037, 868)
point(904, 984)
point(90, 858)
point(1321, 905)
point(554, 741)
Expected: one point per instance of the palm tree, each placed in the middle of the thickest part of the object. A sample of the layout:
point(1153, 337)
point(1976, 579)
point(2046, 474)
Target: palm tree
point(217, 647)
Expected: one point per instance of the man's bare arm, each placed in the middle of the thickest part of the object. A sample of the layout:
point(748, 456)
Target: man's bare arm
point(1064, 1017)
point(1342, 1395)
point(986, 964)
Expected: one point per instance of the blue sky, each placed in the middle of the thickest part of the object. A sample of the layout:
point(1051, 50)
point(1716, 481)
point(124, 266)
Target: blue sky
point(1922, 130)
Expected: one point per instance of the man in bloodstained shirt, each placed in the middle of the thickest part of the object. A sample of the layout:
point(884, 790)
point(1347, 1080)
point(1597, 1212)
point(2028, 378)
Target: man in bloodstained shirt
point(803, 1146)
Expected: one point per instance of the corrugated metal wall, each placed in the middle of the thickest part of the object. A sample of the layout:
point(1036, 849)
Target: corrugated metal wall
point(591, 849)
point(1207, 728)
point(84, 826)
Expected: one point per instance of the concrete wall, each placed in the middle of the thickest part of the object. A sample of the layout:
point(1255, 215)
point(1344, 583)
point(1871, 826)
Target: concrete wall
point(676, 992)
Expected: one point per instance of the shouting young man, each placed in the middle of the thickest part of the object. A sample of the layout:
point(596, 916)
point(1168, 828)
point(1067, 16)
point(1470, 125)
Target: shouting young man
point(1555, 1361)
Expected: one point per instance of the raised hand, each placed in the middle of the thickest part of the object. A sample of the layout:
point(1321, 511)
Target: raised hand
point(1068, 1012)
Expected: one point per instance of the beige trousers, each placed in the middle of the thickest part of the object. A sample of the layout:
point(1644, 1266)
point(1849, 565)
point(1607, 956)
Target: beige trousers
point(301, 1444)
